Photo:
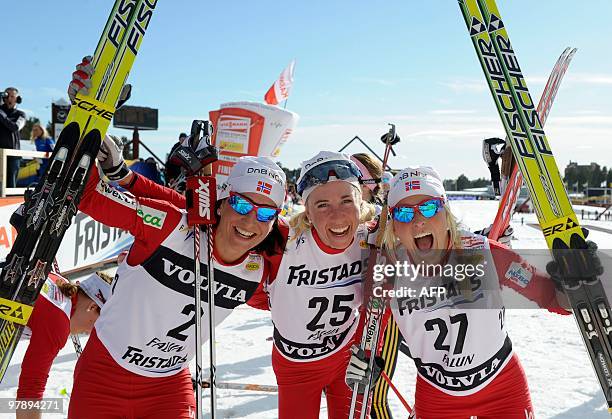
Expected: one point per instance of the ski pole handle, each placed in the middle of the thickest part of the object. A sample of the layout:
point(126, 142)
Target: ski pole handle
point(201, 190)
point(201, 195)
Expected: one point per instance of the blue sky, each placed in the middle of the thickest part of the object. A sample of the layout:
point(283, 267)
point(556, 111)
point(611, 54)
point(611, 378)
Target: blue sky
point(359, 66)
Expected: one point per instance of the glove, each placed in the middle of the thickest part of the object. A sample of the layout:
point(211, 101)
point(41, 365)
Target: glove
point(573, 265)
point(111, 159)
point(505, 237)
point(81, 82)
point(81, 79)
point(358, 371)
point(492, 148)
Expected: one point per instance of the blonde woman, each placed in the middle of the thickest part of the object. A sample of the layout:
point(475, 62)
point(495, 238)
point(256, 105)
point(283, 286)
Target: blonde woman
point(456, 337)
point(315, 289)
point(41, 139)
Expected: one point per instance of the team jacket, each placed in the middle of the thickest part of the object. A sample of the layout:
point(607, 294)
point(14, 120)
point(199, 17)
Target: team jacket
point(315, 293)
point(48, 329)
point(459, 341)
point(147, 324)
point(10, 126)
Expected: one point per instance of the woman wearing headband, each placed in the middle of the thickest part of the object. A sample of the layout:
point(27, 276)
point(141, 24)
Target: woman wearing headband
point(457, 337)
point(314, 289)
point(137, 357)
point(61, 309)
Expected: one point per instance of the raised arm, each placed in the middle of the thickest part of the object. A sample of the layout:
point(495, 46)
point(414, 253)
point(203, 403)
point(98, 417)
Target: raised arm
point(143, 187)
point(514, 272)
point(150, 221)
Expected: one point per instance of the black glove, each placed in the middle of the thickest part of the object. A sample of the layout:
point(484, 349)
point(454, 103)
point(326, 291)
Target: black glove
point(577, 264)
point(358, 370)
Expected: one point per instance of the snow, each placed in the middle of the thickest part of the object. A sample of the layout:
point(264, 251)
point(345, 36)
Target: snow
point(562, 382)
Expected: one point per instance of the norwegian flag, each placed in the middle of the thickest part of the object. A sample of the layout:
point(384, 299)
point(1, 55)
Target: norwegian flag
point(264, 187)
point(281, 88)
point(413, 185)
point(101, 296)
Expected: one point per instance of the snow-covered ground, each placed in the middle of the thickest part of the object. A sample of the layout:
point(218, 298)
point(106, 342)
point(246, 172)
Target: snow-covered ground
point(562, 382)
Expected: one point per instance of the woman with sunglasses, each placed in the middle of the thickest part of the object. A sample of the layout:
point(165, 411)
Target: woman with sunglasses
point(314, 289)
point(457, 338)
point(137, 357)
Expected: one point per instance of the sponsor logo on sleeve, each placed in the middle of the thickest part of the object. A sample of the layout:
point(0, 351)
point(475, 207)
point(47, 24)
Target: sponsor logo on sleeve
point(151, 216)
point(108, 191)
point(518, 274)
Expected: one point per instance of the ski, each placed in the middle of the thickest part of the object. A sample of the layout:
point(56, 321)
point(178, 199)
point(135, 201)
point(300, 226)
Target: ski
point(536, 161)
point(56, 198)
point(226, 385)
point(37, 211)
point(515, 180)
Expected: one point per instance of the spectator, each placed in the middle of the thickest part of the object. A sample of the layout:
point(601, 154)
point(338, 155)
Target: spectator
point(43, 142)
point(371, 180)
point(12, 120)
point(41, 139)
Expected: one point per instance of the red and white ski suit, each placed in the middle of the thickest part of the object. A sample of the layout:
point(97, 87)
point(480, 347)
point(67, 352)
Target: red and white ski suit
point(48, 328)
point(135, 364)
point(459, 342)
point(315, 293)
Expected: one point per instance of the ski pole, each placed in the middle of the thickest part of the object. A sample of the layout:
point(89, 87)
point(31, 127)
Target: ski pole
point(201, 198)
point(375, 306)
point(514, 182)
point(396, 391)
point(241, 386)
point(76, 342)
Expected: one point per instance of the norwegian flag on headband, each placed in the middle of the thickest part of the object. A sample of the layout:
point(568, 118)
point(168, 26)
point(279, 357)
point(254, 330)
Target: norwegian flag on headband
point(282, 87)
point(412, 185)
point(264, 187)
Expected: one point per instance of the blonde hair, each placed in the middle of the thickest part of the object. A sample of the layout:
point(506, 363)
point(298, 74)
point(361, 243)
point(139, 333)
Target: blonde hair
point(70, 290)
point(45, 134)
point(67, 288)
point(300, 222)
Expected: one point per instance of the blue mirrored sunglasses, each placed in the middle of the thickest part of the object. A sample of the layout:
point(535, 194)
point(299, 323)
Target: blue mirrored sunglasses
point(428, 208)
point(243, 205)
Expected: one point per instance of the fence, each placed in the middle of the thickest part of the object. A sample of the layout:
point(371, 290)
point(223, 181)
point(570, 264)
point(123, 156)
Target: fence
point(594, 215)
